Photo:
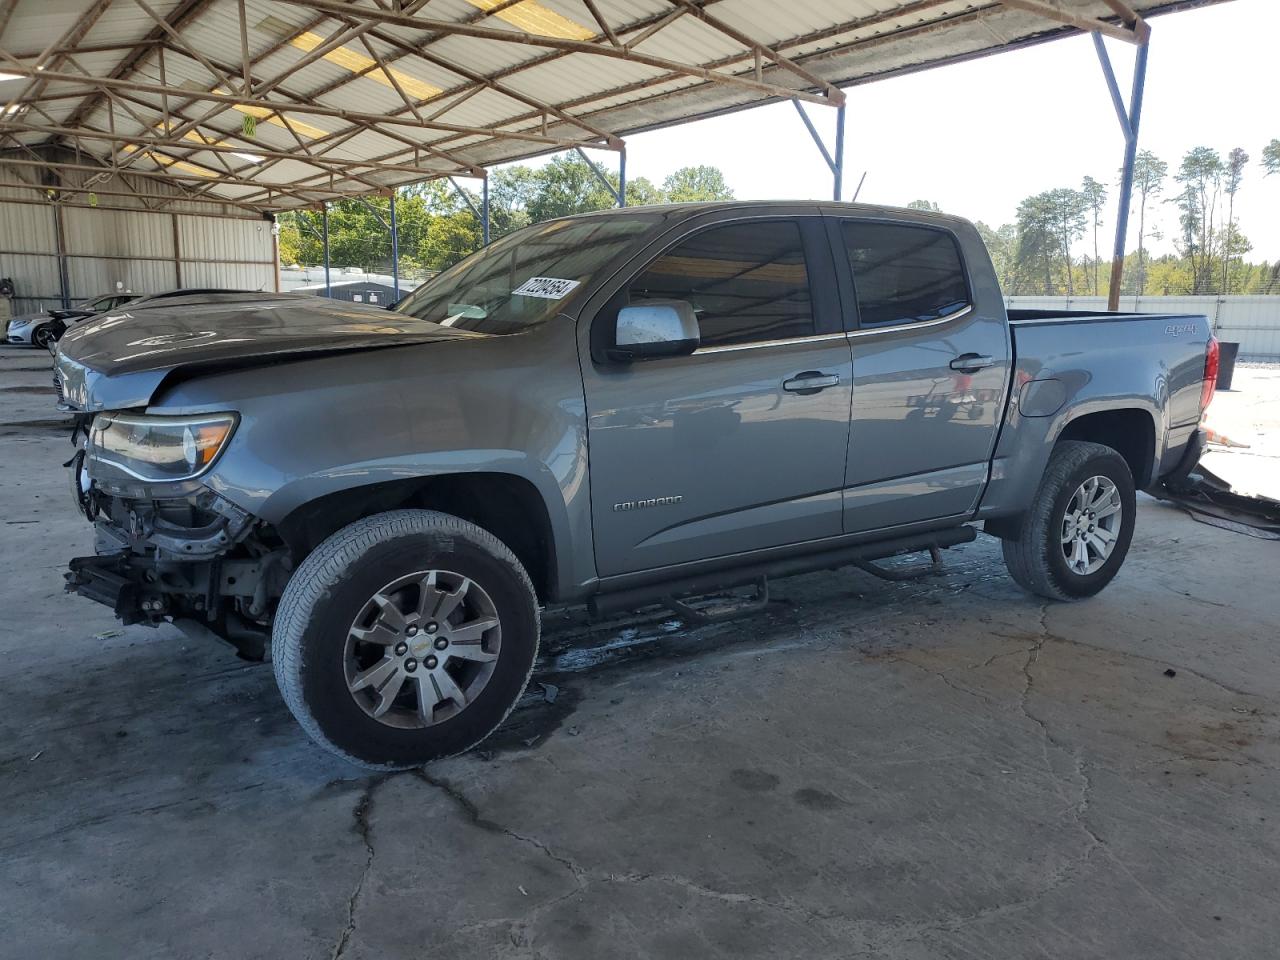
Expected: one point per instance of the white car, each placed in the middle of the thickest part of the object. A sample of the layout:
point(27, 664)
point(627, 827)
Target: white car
point(46, 326)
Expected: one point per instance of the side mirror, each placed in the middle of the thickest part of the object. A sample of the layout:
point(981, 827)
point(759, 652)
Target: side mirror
point(656, 328)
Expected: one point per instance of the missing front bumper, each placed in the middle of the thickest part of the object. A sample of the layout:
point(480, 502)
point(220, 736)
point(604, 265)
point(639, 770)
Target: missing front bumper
point(120, 582)
point(110, 581)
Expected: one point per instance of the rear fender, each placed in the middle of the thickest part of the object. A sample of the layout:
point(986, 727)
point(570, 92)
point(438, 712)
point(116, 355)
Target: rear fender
point(1026, 444)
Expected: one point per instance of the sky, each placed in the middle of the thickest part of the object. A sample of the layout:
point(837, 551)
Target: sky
point(978, 137)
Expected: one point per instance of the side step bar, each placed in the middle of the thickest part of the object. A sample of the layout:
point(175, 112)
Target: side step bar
point(930, 568)
point(606, 604)
point(725, 611)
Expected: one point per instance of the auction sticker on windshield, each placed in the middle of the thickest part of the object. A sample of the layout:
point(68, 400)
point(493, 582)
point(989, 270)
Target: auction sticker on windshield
point(547, 288)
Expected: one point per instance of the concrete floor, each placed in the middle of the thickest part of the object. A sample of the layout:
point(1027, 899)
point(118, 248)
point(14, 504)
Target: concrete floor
point(1248, 415)
point(946, 768)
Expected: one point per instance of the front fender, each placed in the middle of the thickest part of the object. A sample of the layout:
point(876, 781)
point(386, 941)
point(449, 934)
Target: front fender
point(313, 428)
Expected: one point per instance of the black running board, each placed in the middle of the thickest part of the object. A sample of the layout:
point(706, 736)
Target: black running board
point(614, 601)
point(729, 610)
point(929, 568)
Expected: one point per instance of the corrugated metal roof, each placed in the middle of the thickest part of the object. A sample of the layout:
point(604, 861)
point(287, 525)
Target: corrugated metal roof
point(347, 98)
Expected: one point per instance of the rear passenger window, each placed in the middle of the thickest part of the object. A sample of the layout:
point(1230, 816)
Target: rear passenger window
point(904, 274)
point(747, 282)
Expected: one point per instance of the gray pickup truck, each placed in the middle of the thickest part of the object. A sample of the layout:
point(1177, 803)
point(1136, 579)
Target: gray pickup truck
point(621, 408)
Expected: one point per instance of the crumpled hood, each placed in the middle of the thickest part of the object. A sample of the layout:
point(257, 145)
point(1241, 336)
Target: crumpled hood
point(120, 358)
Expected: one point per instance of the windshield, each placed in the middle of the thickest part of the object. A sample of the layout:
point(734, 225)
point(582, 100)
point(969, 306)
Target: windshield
point(525, 278)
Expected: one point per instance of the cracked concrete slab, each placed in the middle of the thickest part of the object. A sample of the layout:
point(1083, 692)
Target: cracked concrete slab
point(941, 768)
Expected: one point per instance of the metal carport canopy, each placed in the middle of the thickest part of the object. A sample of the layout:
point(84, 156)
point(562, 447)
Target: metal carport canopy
point(278, 104)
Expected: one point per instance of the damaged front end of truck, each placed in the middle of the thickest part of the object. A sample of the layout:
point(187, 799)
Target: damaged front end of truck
point(167, 547)
point(169, 544)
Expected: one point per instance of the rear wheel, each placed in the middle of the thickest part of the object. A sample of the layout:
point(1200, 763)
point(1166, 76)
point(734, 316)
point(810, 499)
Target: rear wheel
point(1076, 535)
point(405, 637)
point(42, 337)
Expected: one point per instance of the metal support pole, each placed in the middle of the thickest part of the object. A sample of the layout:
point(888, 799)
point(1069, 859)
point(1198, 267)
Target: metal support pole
point(622, 177)
point(60, 240)
point(834, 164)
point(324, 225)
point(373, 211)
point(839, 164)
point(177, 252)
point(599, 174)
point(1130, 120)
point(395, 248)
point(481, 214)
point(275, 255)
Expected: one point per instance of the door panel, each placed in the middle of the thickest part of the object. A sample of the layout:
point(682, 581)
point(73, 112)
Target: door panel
point(928, 382)
point(939, 493)
point(735, 461)
point(742, 444)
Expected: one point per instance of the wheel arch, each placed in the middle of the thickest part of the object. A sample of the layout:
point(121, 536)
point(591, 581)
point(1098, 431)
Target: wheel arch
point(1130, 431)
point(507, 505)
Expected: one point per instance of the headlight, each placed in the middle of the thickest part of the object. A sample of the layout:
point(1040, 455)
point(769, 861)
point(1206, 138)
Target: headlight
point(159, 449)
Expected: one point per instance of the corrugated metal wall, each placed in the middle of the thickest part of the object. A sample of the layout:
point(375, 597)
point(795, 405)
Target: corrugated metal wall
point(120, 241)
point(1253, 322)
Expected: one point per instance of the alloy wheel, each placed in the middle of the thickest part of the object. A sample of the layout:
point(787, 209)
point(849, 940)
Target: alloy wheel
point(1091, 525)
point(422, 648)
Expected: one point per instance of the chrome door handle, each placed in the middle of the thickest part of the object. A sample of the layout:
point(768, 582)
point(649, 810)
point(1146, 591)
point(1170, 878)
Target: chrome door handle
point(811, 381)
point(971, 362)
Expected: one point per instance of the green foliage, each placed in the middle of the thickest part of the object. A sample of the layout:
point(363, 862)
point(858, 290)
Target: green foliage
point(1237, 159)
point(641, 191)
point(449, 238)
point(1094, 195)
point(694, 184)
point(1048, 224)
point(1069, 224)
point(437, 227)
point(1002, 244)
point(1271, 157)
point(1149, 173)
point(1036, 247)
point(1035, 256)
point(1200, 174)
point(566, 186)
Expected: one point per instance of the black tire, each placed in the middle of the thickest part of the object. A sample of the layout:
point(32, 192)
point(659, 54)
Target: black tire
point(331, 588)
point(1036, 558)
point(43, 336)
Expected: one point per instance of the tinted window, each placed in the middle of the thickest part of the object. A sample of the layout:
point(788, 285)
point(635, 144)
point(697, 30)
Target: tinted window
point(747, 282)
point(904, 274)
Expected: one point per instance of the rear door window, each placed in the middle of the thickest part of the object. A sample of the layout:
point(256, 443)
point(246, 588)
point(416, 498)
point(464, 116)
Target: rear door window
point(903, 273)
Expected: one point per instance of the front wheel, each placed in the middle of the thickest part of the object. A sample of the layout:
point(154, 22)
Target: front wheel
point(1075, 537)
point(405, 637)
